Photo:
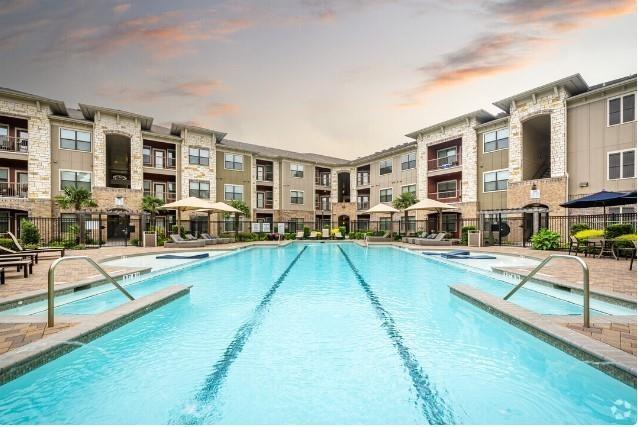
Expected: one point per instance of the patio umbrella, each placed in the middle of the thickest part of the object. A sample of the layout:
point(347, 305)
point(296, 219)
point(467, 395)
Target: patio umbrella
point(187, 204)
point(432, 205)
point(218, 207)
point(602, 199)
point(382, 208)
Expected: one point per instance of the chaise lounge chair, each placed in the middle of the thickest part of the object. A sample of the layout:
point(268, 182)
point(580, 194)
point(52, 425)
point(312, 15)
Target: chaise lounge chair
point(208, 239)
point(299, 235)
point(325, 233)
point(384, 238)
point(41, 250)
point(314, 235)
point(178, 241)
point(436, 240)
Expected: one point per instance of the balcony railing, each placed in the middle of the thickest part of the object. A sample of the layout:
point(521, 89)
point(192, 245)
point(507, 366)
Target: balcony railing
point(446, 196)
point(322, 204)
point(165, 163)
point(14, 144)
point(363, 179)
point(363, 205)
point(323, 179)
point(14, 189)
point(166, 196)
point(264, 174)
point(445, 162)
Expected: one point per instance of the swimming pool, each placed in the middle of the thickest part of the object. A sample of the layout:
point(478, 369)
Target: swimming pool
point(318, 333)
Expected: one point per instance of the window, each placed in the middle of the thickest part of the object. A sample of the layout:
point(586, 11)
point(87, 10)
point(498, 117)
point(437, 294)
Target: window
point(446, 158)
point(233, 192)
point(618, 210)
point(170, 159)
point(408, 161)
point(4, 176)
point(621, 109)
point(363, 178)
point(296, 197)
point(67, 220)
point(385, 223)
point(198, 156)
point(4, 221)
point(75, 140)
point(264, 173)
point(450, 221)
point(146, 155)
point(363, 202)
point(234, 162)
point(409, 189)
point(385, 195)
point(296, 170)
point(495, 180)
point(261, 200)
point(385, 167)
point(75, 179)
point(159, 158)
point(496, 140)
point(621, 164)
point(147, 187)
point(446, 189)
point(199, 189)
point(295, 224)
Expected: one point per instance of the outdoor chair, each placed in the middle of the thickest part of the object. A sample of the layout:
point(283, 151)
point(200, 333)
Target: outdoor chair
point(325, 233)
point(20, 264)
point(338, 235)
point(576, 245)
point(20, 255)
point(314, 234)
point(208, 239)
point(189, 236)
point(299, 235)
point(41, 250)
point(630, 252)
point(384, 238)
point(178, 241)
point(2, 276)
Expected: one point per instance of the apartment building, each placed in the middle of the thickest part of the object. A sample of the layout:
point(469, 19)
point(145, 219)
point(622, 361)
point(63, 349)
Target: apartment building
point(555, 142)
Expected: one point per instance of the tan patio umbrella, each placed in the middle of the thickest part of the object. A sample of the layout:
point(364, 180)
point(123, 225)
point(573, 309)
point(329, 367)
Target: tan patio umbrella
point(382, 208)
point(218, 207)
point(187, 204)
point(432, 205)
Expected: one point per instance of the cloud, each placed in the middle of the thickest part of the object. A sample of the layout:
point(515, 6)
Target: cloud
point(218, 109)
point(164, 35)
point(8, 7)
point(534, 26)
point(185, 90)
point(121, 8)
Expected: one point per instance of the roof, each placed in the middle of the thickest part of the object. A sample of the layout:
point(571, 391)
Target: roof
point(385, 152)
point(279, 153)
point(480, 115)
point(613, 82)
point(176, 129)
point(57, 107)
point(601, 87)
point(89, 113)
point(574, 84)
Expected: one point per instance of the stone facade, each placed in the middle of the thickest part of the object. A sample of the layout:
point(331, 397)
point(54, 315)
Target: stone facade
point(339, 209)
point(275, 185)
point(552, 103)
point(205, 173)
point(107, 124)
point(33, 207)
point(553, 192)
point(106, 198)
point(287, 215)
point(39, 157)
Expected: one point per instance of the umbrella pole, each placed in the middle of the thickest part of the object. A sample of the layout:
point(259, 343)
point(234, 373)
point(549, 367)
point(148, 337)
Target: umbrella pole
point(440, 212)
point(604, 217)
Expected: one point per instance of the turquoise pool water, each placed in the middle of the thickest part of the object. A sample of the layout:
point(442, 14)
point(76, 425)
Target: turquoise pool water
point(318, 334)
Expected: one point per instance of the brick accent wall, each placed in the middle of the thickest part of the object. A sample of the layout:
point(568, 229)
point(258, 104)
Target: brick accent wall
point(552, 103)
point(287, 215)
point(33, 207)
point(105, 198)
point(553, 193)
point(105, 124)
point(204, 173)
point(349, 209)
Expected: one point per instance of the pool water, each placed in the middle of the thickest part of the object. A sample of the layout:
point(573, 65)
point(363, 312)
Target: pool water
point(321, 334)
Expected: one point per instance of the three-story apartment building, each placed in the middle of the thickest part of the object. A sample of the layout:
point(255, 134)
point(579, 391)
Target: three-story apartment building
point(555, 142)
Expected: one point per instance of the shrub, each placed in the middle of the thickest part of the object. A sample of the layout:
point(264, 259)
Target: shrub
point(8, 243)
point(134, 241)
point(545, 240)
point(464, 232)
point(289, 236)
point(178, 230)
point(616, 230)
point(247, 237)
point(306, 232)
point(625, 241)
point(29, 232)
point(589, 234)
point(575, 228)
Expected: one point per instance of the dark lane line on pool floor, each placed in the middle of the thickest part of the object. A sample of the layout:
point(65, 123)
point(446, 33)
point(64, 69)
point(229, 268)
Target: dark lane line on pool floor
point(435, 409)
point(214, 381)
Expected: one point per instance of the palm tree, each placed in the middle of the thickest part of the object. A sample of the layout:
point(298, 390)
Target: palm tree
point(151, 204)
point(403, 202)
point(77, 198)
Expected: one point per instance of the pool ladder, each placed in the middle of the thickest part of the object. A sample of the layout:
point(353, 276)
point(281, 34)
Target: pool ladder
point(51, 293)
point(585, 282)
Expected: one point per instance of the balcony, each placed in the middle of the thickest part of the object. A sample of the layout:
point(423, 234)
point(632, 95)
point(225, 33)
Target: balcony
point(323, 179)
point(166, 196)
point(264, 200)
point(363, 179)
point(322, 204)
point(14, 189)
point(264, 174)
point(363, 205)
point(451, 196)
point(14, 144)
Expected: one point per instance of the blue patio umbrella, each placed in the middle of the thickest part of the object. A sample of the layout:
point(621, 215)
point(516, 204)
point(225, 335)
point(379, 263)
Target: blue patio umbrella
point(602, 199)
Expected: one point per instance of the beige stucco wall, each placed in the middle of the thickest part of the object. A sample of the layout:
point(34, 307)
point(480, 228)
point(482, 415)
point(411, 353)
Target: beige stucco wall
point(230, 176)
point(63, 159)
point(394, 180)
point(490, 161)
point(305, 184)
point(589, 140)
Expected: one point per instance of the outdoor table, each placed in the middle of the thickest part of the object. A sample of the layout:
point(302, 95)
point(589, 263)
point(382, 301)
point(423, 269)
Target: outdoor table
point(607, 247)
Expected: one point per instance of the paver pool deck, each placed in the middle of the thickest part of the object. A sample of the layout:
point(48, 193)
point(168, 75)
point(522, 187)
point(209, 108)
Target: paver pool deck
point(606, 276)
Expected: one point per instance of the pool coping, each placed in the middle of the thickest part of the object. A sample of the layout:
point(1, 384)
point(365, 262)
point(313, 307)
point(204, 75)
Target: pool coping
point(610, 297)
point(612, 361)
point(8, 303)
point(16, 363)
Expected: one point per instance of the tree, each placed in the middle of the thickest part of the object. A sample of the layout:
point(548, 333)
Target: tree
point(241, 206)
point(403, 202)
point(151, 204)
point(77, 198)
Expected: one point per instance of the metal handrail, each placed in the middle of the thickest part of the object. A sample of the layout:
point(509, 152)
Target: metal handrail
point(57, 262)
point(585, 282)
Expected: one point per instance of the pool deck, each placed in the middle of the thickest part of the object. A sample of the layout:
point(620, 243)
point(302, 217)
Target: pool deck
point(607, 276)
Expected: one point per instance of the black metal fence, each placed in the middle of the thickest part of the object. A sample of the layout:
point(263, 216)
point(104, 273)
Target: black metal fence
point(113, 230)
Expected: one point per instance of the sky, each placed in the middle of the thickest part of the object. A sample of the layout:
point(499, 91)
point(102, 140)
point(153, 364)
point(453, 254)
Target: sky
point(340, 78)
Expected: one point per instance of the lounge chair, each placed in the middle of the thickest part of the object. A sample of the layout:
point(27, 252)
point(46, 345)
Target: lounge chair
point(21, 264)
point(178, 241)
point(42, 250)
point(314, 234)
point(338, 235)
point(299, 235)
point(435, 240)
point(325, 233)
point(189, 236)
point(2, 276)
point(21, 255)
point(384, 238)
point(208, 239)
